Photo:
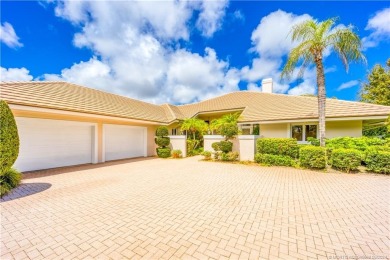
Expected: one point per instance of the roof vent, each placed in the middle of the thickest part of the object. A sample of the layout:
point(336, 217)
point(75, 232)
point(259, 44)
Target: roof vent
point(266, 85)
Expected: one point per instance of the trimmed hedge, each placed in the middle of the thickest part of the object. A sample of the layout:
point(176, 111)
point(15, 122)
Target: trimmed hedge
point(215, 146)
point(358, 143)
point(346, 159)
point(277, 160)
point(278, 146)
point(162, 141)
point(8, 180)
point(162, 131)
point(230, 156)
point(378, 161)
point(9, 138)
point(164, 152)
point(177, 154)
point(206, 155)
point(312, 157)
point(226, 146)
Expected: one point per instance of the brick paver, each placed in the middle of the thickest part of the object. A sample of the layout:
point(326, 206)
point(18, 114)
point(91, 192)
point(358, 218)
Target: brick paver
point(189, 209)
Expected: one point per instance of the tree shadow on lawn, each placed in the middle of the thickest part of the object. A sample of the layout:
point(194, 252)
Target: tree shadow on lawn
point(24, 190)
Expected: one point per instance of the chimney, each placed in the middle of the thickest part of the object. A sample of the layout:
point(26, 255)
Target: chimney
point(266, 85)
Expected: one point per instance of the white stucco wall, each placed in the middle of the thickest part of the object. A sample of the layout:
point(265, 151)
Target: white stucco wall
point(208, 140)
point(274, 130)
point(247, 146)
point(179, 142)
point(344, 128)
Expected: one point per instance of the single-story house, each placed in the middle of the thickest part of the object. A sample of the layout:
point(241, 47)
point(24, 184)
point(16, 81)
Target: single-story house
point(62, 124)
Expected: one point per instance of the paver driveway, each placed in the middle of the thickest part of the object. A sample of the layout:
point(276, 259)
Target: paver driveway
point(157, 208)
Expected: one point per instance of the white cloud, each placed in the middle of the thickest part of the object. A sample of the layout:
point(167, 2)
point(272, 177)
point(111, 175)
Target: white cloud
point(272, 36)
point(348, 84)
point(15, 74)
point(137, 52)
point(271, 41)
point(210, 18)
point(379, 25)
point(253, 87)
point(8, 36)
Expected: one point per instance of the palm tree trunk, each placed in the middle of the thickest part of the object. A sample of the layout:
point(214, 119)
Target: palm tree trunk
point(321, 97)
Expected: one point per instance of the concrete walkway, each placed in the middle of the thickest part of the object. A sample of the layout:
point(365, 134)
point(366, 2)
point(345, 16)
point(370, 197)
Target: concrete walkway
point(189, 209)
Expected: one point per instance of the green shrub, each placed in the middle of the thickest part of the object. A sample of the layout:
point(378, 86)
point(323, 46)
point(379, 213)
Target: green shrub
point(358, 143)
point(206, 155)
point(162, 141)
point(164, 152)
point(346, 159)
point(218, 155)
point(226, 146)
point(177, 154)
point(278, 146)
point(8, 180)
point(192, 145)
point(272, 159)
point(215, 146)
point(313, 141)
point(229, 131)
point(9, 138)
point(162, 131)
point(378, 161)
point(230, 156)
point(374, 149)
point(312, 157)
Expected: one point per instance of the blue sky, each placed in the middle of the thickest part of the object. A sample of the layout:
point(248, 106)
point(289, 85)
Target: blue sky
point(180, 51)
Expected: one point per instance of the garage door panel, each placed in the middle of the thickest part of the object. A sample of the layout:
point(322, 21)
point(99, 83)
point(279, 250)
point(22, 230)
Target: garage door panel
point(123, 142)
point(53, 143)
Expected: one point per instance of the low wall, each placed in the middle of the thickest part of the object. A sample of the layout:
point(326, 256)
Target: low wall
point(247, 147)
point(179, 142)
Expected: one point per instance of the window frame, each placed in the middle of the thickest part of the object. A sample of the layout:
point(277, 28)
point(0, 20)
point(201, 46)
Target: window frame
point(303, 131)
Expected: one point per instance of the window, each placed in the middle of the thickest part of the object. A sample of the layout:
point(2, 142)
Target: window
point(302, 132)
point(311, 131)
point(173, 131)
point(297, 132)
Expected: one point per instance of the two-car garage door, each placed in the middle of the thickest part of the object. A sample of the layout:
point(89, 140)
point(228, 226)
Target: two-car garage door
point(46, 143)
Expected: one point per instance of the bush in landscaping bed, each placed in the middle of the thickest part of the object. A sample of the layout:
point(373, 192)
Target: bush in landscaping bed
point(230, 156)
point(9, 138)
point(278, 146)
point(192, 147)
point(206, 155)
point(312, 157)
point(271, 159)
point(8, 180)
point(162, 131)
point(378, 161)
point(177, 154)
point(162, 141)
point(215, 146)
point(358, 143)
point(226, 146)
point(163, 152)
point(346, 159)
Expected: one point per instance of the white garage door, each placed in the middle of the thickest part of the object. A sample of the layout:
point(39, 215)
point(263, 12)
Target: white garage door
point(124, 142)
point(48, 143)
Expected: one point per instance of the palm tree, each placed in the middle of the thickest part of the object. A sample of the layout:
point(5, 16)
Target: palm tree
point(316, 37)
point(193, 125)
point(226, 125)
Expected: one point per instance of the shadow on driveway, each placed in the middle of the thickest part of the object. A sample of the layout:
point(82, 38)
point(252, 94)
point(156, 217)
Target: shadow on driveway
point(67, 169)
point(25, 189)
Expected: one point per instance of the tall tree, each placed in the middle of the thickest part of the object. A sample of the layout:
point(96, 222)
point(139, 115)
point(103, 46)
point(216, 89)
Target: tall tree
point(377, 89)
point(314, 38)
